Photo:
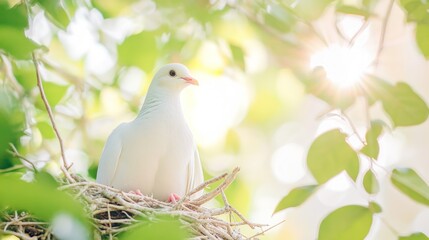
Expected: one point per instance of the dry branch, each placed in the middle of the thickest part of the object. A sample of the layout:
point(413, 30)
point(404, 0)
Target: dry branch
point(65, 166)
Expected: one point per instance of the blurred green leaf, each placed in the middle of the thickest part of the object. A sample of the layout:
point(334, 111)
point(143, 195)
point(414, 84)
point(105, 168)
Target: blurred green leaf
point(167, 228)
point(54, 93)
point(295, 197)
point(415, 236)
point(46, 130)
point(25, 74)
point(113, 8)
point(46, 179)
point(416, 10)
point(37, 198)
point(351, 222)
point(237, 55)
point(203, 10)
point(348, 9)
point(139, 50)
point(311, 9)
point(404, 106)
point(14, 42)
point(279, 17)
point(411, 184)
point(12, 120)
point(329, 155)
point(374, 207)
point(318, 85)
point(422, 38)
point(55, 11)
point(370, 183)
point(369, 4)
point(92, 170)
point(374, 89)
point(372, 148)
point(15, 17)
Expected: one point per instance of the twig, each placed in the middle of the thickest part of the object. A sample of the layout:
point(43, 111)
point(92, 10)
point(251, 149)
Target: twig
point(358, 32)
point(267, 229)
point(15, 167)
point(51, 117)
point(383, 32)
point(206, 197)
point(15, 153)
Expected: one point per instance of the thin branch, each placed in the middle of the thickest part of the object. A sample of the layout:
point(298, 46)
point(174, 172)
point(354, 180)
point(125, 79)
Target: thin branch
point(65, 166)
point(15, 167)
point(267, 229)
point(383, 32)
point(15, 153)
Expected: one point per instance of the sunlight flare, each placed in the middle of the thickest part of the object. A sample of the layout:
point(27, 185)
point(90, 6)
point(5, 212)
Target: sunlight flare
point(344, 66)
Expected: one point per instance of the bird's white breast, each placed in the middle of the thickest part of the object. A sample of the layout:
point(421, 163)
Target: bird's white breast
point(155, 155)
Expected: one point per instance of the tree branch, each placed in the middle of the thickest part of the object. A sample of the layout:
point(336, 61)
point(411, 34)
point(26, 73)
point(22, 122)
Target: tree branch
point(64, 166)
point(383, 32)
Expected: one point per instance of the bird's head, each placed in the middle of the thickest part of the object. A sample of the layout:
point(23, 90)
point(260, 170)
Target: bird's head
point(173, 76)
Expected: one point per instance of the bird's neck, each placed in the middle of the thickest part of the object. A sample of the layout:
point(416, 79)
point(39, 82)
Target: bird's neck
point(159, 100)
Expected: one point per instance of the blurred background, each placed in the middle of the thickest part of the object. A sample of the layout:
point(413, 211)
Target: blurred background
point(253, 108)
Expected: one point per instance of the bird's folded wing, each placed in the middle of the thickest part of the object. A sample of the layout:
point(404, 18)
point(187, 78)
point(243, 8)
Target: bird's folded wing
point(110, 158)
point(195, 172)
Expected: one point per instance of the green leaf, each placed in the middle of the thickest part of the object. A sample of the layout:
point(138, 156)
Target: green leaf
point(113, 8)
point(374, 207)
point(318, 85)
point(14, 42)
point(329, 155)
point(25, 74)
point(37, 198)
point(416, 10)
point(54, 94)
point(352, 10)
point(237, 55)
point(370, 183)
point(295, 197)
point(415, 236)
point(404, 106)
point(55, 11)
point(411, 184)
point(279, 17)
point(14, 17)
point(12, 124)
point(351, 222)
point(139, 50)
point(46, 130)
point(422, 38)
point(372, 148)
point(311, 9)
point(167, 228)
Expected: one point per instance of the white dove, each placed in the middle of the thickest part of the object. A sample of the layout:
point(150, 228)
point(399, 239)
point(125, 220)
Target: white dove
point(155, 154)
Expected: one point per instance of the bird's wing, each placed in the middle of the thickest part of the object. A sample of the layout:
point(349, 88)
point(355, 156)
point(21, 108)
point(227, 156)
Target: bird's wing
point(111, 156)
point(195, 172)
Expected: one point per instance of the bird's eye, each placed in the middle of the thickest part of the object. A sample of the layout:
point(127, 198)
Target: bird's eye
point(172, 73)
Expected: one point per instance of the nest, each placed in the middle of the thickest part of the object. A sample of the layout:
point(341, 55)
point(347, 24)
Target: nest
point(112, 212)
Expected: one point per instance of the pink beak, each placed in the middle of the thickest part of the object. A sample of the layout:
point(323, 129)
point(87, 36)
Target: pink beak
point(191, 80)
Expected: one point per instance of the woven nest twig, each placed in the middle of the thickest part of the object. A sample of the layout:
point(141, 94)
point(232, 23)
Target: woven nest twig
point(113, 211)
